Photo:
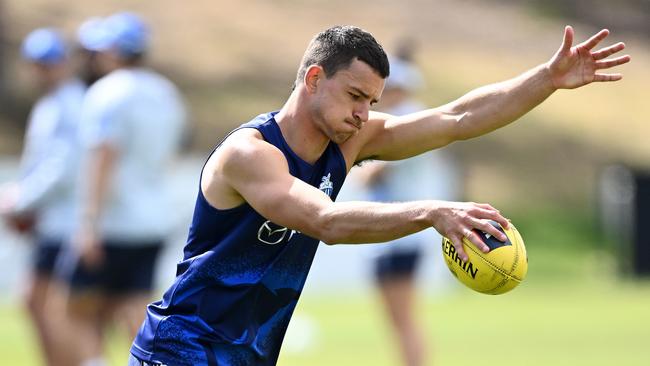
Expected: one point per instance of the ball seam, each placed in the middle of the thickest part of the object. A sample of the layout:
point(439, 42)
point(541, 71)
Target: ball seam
point(492, 265)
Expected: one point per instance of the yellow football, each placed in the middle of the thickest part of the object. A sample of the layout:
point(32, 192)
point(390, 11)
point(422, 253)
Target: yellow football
point(495, 272)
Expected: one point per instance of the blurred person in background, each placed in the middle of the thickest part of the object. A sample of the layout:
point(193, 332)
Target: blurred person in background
point(42, 199)
point(88, 34)
point(431, 175)
point(267, 193)
point(132, 121)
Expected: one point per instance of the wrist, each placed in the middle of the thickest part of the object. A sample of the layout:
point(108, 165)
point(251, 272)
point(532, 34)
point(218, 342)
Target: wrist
point(433, 213)
point(546, 75)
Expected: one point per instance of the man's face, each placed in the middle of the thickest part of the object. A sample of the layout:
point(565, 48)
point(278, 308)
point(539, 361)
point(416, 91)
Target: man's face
point(341, 103)
point(48, 76)
point(107, 61)
point(88, 66)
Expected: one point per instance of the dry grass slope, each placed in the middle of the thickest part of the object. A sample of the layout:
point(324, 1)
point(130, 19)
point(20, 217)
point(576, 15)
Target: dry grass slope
point(236, 59)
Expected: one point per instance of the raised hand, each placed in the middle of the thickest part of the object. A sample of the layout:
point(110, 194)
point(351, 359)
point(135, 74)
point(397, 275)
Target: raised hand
point(575, 66)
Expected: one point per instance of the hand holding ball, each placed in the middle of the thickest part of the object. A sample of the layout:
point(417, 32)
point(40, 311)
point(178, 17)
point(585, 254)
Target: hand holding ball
point(495, 272)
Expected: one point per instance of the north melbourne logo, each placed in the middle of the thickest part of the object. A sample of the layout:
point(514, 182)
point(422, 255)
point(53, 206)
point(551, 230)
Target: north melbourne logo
point(326, 184)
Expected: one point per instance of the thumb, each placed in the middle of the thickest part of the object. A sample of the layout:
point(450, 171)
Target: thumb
point(567, 41)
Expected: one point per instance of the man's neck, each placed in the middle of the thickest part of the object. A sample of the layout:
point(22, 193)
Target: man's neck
point(52, 85)
point(300, 130)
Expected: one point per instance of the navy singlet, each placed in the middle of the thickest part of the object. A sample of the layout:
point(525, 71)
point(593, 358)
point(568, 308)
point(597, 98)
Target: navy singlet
point(240, 277)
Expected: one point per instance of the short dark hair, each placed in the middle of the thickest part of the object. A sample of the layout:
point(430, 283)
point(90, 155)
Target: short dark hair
point(335, 48)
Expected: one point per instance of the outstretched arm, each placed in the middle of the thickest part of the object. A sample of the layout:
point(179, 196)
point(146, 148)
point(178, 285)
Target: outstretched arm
point(247, 169)
point(493, 106)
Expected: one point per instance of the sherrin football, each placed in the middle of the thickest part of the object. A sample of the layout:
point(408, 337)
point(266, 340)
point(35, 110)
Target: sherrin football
point(495, 272)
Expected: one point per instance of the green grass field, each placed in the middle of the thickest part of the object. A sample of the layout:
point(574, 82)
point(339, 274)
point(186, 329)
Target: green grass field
point(573, 309)
point(596, 323)
point(591, 324)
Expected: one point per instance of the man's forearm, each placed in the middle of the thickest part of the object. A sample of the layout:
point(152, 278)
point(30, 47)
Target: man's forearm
point(99, 174)
point(493, 106)
point(373, 222)
point(476, 113)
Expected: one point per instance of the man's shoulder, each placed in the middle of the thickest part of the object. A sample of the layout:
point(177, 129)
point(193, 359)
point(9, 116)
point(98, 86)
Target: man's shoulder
point(245, 148)
point(112, 78)
point(244, 137)
point(241, 158)
point(109, 88)
point(244, 142)
point(71, 88)
point(247, 145)
point(249, 133)
point(150, 76)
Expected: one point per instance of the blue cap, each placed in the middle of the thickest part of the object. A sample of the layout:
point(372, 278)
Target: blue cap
point(124, 32)
point(44, 46)
point(91, 34)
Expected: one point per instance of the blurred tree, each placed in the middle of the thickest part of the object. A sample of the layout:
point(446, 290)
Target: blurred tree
point(2, 56)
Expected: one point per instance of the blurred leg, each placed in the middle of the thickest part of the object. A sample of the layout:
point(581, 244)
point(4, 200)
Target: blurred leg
point(129, 269)
point(59, 324)
point(132, 290)
point(130, 310)
point(86, 313)
point(43, 300)
point(398, 294)
point(36, 298)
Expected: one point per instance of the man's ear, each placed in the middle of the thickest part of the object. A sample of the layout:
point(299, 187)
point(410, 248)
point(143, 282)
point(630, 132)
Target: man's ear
point(313, 75)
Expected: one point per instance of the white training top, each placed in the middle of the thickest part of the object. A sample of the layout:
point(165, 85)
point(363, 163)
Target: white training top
point(139, 113)
point(50, 160)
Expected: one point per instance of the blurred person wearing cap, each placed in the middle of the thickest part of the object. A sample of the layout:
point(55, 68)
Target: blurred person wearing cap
point(41, 201)
point(132, 121)
point(432, 175)
point(88, 34)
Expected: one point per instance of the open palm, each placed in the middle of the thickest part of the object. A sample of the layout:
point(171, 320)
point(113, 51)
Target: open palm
point(572, 67)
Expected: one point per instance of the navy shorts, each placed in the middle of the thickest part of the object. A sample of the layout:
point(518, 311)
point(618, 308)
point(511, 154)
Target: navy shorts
point(126, 269)
point(45, 256)
point(397, 264)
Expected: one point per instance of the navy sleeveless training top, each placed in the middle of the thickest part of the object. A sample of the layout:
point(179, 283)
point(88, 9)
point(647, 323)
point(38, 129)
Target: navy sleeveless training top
point(240, 277)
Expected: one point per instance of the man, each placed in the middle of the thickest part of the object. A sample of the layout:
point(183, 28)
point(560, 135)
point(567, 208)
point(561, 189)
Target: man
point(89, 33)
point(266, 194)
point(132, 120)
point(44, 193)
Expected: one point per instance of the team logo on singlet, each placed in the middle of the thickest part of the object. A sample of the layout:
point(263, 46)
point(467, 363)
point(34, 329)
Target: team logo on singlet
point(326, 184)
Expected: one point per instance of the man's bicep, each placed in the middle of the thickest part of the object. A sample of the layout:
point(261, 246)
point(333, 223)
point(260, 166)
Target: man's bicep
point(400, 137)
point(266, 185)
